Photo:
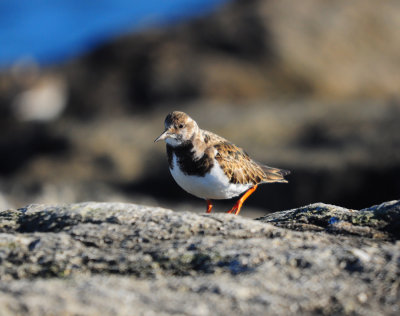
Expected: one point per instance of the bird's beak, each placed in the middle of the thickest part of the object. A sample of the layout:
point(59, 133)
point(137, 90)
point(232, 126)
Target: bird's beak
point(163, 136)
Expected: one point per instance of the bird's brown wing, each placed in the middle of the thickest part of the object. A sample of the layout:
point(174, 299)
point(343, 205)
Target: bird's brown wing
point(240, 168)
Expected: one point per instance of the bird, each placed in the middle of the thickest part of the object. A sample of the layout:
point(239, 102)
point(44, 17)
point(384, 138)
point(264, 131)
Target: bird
point(211, 167)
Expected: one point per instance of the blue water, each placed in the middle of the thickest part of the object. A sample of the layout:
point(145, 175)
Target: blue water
point(50, 31)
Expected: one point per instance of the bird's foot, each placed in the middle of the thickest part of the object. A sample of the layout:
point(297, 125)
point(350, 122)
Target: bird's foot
point(209, 206)
point(236, 208)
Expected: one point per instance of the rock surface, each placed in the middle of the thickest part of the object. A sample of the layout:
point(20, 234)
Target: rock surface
point(123, 259)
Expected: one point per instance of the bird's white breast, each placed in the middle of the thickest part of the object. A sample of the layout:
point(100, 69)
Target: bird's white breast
point(214, 185)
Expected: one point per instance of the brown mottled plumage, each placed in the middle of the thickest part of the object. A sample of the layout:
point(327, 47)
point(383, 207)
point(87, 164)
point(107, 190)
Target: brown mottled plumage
point(209, 166)
point(240, 168)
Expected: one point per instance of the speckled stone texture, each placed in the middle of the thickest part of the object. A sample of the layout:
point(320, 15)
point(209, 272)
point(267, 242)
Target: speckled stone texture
point(126, 259)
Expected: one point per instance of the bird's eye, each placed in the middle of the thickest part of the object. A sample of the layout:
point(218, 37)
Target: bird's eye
point(181, 126)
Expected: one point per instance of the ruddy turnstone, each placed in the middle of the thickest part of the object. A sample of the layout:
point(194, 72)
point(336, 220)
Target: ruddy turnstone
point(209, 166)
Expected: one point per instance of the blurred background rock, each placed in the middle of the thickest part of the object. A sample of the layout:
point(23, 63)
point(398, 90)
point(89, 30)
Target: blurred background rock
point(310, 86)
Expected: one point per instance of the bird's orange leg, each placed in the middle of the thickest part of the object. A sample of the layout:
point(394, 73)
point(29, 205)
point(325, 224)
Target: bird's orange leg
point(236, 208)
point(209, 206)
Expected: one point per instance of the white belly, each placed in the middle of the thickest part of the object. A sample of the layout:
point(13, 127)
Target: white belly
point(214, 185)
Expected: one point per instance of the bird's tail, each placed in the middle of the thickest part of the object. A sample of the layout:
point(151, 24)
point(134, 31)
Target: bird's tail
point(274, 174)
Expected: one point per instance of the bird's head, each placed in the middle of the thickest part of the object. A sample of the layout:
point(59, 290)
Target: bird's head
point(179, 128)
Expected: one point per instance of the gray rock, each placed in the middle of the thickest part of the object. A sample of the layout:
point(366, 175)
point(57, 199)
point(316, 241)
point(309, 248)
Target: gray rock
point(124, 259)
point(380, 221)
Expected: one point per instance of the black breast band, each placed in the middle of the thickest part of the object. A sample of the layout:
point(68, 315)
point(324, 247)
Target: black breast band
point(187, 162)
